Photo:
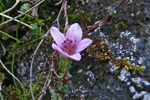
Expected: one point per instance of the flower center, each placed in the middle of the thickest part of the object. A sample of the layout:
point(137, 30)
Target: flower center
point(68, 46)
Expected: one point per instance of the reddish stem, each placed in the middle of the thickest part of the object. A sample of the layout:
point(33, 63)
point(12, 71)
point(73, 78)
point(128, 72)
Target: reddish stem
point(102, 22)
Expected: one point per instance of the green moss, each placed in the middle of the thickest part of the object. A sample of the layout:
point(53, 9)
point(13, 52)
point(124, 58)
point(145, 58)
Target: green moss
point(119, 25)
point(99, 50)
point(123, 63)
point(80, 16)
point(2, 77)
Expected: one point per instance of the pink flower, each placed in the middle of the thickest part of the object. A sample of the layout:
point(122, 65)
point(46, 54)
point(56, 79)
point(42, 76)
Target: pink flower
point(70, 45)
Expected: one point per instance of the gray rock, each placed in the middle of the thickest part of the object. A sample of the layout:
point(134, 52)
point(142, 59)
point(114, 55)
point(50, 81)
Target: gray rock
point(146, 97)
point(132, 89)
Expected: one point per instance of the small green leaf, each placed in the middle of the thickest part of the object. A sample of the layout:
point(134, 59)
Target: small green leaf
point(63, 87)
point(24, 7)
point(37, 30)
point(112, 12)
point(53, 94)
point(115, 11)
point(9, 36)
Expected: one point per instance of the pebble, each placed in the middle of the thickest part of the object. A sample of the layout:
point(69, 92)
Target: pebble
point(146, 97)
point(89, 67)
point(146, 83)
point(134, 40)
point(80, 71)
point(132, 89)
point(139, 95)
point(123, 75)
point(137, 81)
point(128, 83)
point(141, 60)
point(125, 34)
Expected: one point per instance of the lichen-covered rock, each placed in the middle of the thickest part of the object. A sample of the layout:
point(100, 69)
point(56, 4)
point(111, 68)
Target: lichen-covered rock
point(127, 35)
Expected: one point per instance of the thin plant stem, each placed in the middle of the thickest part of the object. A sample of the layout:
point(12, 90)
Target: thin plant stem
point(2, 8)
point(102, 22)
point(65, 16)
point(1, 95)
point(22, 13)
point(13, 59)
point(53, 93)
point(2, 4)
point(57, 19)
point(15, 20)
point(17, 2)
point(9, 36)
point(30, 42)
point(12, 75)
point(19, 24)
point(48, 81)
point(31, 67)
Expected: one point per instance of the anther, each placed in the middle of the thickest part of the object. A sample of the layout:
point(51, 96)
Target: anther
point(65, 46)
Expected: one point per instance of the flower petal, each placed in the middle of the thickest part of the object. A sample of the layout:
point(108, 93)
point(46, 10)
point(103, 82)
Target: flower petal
point(74, 33)
point(57, 36)
point(83, 44)
point(55, 47)
point(75, 56)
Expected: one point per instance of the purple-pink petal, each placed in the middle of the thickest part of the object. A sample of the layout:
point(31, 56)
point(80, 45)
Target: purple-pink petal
point(55, 47)
point(74, 33)
point(83, 44)
point(57, 36)
point(75, 56)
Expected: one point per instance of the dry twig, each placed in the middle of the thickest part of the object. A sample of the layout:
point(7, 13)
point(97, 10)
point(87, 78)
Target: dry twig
point(66, 17)
point(31, 67)
point(57, 19)
point(17, 2)
point(103, 21)
point(12, 75)
point(52, 69)
point(22, 13)
point(59, 2)
point(15, 20)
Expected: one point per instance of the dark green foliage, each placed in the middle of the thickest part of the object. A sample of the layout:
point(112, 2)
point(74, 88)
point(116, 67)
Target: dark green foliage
point(63, 88)
point(2, 8)
point(36, 30)
point(24, 7)
point(2, 77)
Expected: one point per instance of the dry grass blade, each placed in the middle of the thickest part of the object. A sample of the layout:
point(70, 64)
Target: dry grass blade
point(22, 13)
point(31, 67)
point(12, 75)
point(17, 2)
